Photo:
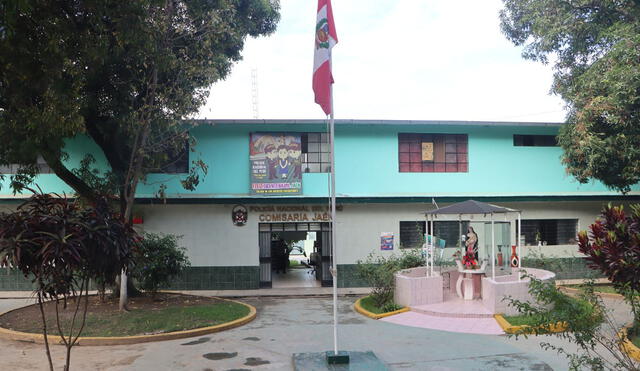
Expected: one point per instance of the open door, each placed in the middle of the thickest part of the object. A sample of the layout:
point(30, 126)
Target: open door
point(267, 231)
point(264, 242)
point(325, 241)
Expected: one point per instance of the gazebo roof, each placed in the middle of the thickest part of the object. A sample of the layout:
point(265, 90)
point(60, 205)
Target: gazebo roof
point(471, 207)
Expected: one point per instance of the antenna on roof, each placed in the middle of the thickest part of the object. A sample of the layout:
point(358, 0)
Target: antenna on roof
point(254, 92)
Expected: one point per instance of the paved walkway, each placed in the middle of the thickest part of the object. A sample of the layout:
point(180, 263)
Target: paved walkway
point(453, 314)
point(286, 325)
point(453, 306)
point(286, 291)
point(483, 326)
point(295, 278)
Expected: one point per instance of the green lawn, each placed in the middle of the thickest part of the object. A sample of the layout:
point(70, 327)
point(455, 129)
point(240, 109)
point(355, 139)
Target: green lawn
point(573, 308)
point(520, 320)
point(367, 303)
point(604, 288)
point(152, 321)
point(164, 320)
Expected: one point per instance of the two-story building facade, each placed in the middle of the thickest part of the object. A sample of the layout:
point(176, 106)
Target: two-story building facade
point(388, 173)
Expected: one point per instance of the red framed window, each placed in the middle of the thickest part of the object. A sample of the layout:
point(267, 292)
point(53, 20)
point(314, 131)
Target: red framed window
point(433, 153)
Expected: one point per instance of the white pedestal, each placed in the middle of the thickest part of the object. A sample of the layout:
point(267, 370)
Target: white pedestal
point(467, 284)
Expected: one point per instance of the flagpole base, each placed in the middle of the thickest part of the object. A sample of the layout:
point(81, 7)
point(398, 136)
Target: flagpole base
point(358, 360)
point(337, 359)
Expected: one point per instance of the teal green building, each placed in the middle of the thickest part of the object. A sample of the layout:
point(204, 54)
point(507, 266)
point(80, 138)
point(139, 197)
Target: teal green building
point(388, 173)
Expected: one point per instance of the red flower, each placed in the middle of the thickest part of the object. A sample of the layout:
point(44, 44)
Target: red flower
point(469, 261)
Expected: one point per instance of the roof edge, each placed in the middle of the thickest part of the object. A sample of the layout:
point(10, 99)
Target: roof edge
point(370, 122)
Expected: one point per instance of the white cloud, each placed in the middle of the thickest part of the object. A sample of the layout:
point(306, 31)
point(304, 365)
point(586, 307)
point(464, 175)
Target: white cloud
point(395, 60)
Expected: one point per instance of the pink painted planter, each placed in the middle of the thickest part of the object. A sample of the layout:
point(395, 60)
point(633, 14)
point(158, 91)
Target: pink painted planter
point(494, 291)
point(414, 287)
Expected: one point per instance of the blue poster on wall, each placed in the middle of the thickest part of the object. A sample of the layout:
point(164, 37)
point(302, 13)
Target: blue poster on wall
point(386, 241)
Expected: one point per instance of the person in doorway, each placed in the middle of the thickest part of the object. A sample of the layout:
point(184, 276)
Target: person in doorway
point(278, 256)
point(472, 242)
point(314, 258)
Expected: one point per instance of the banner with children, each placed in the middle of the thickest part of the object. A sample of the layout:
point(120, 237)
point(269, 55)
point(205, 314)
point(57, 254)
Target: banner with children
point(276, 164)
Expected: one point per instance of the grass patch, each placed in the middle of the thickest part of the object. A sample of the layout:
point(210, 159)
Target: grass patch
point(295, 264)
point(146, 316)
point(367, 303)
point(522, 320)
point(570, 308)
point(170, 319)
point(633, 335)
point(635, 339)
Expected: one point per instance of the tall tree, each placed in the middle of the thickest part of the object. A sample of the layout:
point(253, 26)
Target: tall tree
point(595, 49)
point(123, 73)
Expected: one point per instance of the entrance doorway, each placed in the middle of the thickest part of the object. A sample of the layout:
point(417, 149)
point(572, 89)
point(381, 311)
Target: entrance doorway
point(295, 254)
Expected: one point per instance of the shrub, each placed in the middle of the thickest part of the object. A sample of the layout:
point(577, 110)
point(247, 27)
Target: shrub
point(410, 258)
point(63, 245)
point(591, 327)
point(552, 306)
point(378, 272)
point(158, 259)
point(613, 248)
point(390, 307)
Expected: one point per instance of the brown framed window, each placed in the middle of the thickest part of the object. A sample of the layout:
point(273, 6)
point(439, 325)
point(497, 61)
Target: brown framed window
point(433, 153)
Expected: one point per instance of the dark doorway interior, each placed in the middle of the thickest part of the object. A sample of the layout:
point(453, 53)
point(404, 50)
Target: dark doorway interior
point(295, 255)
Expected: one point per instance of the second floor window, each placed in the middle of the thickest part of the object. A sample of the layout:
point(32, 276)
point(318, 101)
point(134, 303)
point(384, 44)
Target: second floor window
point(176, 161)
point(315, 152)
point(433, 153)
point(534, 140)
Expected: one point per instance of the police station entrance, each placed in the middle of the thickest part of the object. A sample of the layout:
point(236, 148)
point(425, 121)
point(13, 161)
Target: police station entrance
point(295, 255)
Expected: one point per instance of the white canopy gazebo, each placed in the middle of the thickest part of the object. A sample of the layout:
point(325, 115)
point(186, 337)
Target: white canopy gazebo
point(471, 207)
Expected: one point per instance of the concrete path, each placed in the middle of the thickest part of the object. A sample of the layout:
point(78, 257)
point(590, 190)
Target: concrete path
point(294, 325)
point(294, 278)
point(290, 290)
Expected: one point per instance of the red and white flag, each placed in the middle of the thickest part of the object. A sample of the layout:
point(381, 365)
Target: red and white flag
point(326, 38)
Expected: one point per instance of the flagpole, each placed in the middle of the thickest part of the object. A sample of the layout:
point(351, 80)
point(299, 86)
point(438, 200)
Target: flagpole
point(334, 270)
point(326, 38)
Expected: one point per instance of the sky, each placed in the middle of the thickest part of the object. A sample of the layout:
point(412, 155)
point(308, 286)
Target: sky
point(395, 60)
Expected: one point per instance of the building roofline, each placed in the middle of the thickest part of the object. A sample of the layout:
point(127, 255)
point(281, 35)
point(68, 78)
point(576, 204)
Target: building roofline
point(372, 122)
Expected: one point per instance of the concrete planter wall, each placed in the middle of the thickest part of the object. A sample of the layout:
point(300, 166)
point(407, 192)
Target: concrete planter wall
point(494, 291)
point(414, 287)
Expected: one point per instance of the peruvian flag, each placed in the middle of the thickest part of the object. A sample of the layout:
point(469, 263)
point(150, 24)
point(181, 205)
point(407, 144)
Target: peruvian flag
point(326, 38)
